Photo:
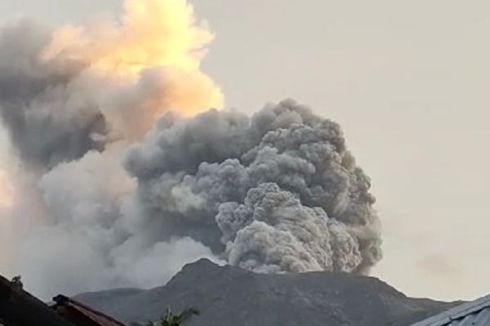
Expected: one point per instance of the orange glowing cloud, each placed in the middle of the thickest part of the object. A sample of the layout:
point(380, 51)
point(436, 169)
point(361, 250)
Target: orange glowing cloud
point(151, 35)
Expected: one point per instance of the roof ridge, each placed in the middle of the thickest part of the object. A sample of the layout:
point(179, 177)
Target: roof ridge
point(457, 312)
point(61, 299)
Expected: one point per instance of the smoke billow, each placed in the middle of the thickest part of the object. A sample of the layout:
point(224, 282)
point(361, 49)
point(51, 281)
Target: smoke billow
point(276, 192)
point(123, 173)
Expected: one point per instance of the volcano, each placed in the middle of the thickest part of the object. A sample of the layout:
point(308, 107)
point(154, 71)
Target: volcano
point(233, 296)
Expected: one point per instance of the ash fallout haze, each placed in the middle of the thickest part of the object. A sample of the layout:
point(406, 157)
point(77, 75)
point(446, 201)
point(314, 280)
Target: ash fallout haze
point(121, 158)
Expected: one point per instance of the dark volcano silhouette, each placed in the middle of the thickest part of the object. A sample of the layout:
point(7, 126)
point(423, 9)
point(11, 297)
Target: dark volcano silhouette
point(232, 296)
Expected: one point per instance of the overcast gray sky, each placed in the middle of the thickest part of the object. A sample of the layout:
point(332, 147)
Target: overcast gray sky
point(408, 81)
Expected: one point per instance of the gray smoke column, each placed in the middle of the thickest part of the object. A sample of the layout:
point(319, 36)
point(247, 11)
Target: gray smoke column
point(43, 105)
point(277, 192)
point(121, 170)
point(71, 102)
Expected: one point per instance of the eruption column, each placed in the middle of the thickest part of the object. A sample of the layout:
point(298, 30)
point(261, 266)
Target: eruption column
point(127, 173)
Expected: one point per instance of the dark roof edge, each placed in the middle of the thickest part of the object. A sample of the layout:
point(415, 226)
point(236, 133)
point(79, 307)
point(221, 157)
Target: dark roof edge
point(62, 300)
point(456, 312)
point(15, 302)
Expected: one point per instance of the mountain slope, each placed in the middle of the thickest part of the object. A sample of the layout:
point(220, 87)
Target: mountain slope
point(231, 296)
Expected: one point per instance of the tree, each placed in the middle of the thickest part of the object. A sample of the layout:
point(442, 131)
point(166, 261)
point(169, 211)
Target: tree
point(176, 320)
point(169, 319)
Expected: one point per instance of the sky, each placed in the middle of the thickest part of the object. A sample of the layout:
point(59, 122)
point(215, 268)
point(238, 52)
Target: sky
point(407, 80)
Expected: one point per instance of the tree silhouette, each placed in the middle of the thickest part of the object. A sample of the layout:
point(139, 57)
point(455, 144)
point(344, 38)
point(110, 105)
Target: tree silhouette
point(169, 319)
point(176, 320)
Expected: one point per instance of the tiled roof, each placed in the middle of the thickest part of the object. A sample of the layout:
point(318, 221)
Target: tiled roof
point(96, 316)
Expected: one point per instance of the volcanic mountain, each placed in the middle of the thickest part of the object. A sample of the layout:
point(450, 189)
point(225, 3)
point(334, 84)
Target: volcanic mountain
point(232, 296)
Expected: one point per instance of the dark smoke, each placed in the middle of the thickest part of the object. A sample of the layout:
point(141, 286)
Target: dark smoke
point(277, 192)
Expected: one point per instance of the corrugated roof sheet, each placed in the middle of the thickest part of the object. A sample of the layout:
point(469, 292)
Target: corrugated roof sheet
point(475, 313)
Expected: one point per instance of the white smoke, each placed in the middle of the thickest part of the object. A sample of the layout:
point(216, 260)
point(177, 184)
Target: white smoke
point(104, 200)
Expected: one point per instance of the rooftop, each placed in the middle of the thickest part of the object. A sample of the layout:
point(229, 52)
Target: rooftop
point(474, 313)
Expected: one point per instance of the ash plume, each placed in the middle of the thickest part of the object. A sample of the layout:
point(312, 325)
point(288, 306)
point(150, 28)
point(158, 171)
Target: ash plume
point(122, 168)
point(49, 118)
point(275, 192)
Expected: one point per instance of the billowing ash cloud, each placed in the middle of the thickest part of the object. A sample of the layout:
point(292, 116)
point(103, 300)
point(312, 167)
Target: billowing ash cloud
point(44, 108)
point(277, 192)
point(120, 172)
